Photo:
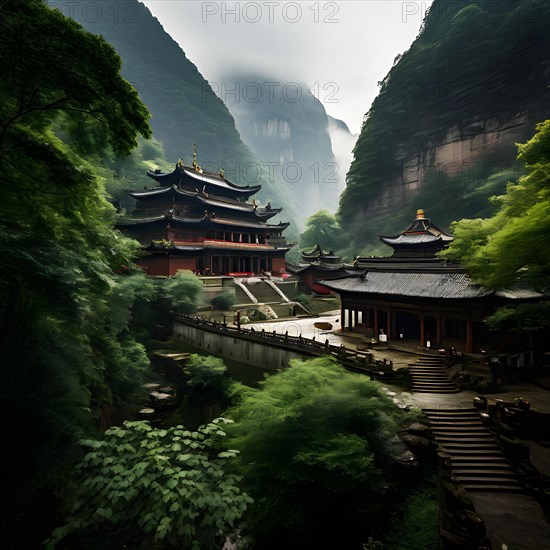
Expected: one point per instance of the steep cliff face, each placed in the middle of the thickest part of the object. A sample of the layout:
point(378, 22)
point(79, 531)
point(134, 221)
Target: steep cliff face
point(185, 110)
point(442, 133)
point(288, 128)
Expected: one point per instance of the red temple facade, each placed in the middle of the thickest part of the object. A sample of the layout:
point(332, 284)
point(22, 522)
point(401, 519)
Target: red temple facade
point(202, 222)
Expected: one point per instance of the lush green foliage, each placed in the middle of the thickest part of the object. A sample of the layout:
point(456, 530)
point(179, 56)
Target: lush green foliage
point(473, 66)
point(182, 292)
point(322, 229)
point(202, 371)
point(510, 248)
point(154, 488)
point(68, 360)
point(316, 443)
point(224, 300)
point(417, 528)
point(141, 303)
point(49, 65)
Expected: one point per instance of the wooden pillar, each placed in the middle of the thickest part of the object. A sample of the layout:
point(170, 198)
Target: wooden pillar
point(438, 329)
point(342, 317)
point(376, 322)
point(388, 323)
point(469, 337)
point(422, 335)
point(355, 318)
point(350, 319)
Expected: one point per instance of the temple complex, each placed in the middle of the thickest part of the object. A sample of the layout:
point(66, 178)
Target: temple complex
point(417, 296)
point(200, 221)
point(317, 264)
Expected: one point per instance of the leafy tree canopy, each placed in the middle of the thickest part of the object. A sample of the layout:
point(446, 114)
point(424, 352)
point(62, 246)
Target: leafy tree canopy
point(50, 65)
point(510, 248)
point(202, 371)
point(68, 358)
point(182, 292)
point(314, 441)
point(322, 229)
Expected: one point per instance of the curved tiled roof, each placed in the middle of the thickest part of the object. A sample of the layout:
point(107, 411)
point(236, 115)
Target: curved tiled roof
point(420, 232)
point(422, 284)
point(205, 219)
point(200, 179)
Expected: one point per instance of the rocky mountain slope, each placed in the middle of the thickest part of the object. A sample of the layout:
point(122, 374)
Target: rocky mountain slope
point(184, 108)
point(441, 134)
point(288, 127)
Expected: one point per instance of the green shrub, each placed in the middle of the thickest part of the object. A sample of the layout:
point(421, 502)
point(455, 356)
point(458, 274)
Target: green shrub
point(317, 444)
point(418, 527)
point(142, 487)
point(202, 371)
point(223, 301)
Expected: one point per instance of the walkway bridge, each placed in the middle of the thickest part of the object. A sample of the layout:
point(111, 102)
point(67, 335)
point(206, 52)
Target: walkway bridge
point(270, 350)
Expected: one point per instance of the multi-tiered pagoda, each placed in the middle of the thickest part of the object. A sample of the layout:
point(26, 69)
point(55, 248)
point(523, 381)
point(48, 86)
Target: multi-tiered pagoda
point(200, 221)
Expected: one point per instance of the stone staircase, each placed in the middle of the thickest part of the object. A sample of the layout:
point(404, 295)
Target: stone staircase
point(265, 292)
point(477, 461)
point(429, 375)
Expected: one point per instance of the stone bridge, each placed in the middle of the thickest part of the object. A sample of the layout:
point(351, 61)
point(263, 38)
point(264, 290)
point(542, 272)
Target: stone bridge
point(268, 350)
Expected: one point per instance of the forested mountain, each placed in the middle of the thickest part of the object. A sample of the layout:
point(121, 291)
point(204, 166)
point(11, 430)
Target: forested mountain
point(184, 108)
point(285, 124)
point(441, 134)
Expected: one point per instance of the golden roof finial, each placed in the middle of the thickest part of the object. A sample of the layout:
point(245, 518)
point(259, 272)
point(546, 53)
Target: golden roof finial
point(420, 214)
point(195, 155)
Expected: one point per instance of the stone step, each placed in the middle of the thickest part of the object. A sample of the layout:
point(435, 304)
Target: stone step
point(482, 472)
point(437, 382)
point(458, 430)
point(428, 368)
point(428, 376)
point(474, 453)
point(446, 420)
point(484, 480)
point(434, 372)
point(457, 410)
point(446, 417)
point(434, 391)
point(434, 387)
point(476, 466)
point(493, 461)
point(459, 426)
point(432, 383)
point(481, 445)
point(467, 439)
point(502, 488)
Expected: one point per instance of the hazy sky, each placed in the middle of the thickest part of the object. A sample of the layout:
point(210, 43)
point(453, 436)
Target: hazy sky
point(340, 49)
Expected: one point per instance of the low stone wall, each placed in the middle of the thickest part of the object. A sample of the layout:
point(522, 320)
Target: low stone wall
point(228, 346)
point(270, 350)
